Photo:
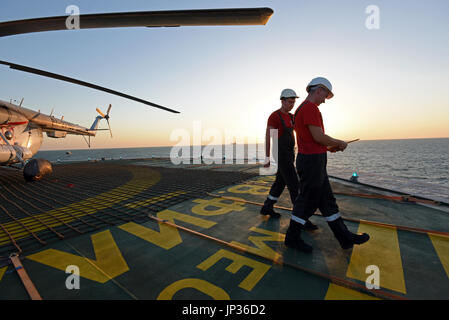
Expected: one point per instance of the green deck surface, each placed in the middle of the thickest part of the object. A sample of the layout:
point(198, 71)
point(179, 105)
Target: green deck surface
point(151, 260)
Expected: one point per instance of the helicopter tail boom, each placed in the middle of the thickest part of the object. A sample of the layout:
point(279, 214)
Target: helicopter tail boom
point(94, 127)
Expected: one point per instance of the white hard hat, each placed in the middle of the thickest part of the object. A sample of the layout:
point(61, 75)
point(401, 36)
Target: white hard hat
point(288, 93)
point(320, 81)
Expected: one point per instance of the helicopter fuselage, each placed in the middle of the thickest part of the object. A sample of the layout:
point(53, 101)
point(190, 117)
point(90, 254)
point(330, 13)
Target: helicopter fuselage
point(22, 132)
point(22, 137)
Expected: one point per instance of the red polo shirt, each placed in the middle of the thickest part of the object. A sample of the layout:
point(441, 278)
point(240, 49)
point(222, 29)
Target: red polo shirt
point(275, 122)
point(308, 114)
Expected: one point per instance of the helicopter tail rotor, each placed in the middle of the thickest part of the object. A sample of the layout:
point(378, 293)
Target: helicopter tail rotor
point(106, 116)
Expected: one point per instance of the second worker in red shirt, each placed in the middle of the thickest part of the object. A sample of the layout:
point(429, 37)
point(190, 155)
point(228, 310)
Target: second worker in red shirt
point(282, 121)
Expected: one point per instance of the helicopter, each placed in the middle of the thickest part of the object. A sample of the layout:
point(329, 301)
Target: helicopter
point(21, 129)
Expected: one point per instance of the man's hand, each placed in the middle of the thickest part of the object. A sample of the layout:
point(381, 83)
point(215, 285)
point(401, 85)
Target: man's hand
point(339, 147)
point(342, 145)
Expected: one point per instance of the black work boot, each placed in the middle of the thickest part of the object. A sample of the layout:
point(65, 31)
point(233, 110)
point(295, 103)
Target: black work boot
point(293, 238)
point(267, 209)
point(345, 237)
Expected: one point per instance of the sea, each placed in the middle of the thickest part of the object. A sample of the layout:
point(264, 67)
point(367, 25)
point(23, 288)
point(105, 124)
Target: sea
point(417, 167)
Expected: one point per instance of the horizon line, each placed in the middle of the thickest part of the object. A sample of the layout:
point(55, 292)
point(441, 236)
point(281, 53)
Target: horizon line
point(203, 145)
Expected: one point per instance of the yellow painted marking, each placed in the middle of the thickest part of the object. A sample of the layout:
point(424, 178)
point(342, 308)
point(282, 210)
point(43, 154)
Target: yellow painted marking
point(223, 207)
point(153, 200)
point(245, 188)
point(266, 179)
point(261, 248)
point(143, 178)
point(382, 250)
point(168, 236)
point(205, 287)
point(109, 261)
point(2, 272)
point(441, 245)
point(238, 261)
point(336, 292)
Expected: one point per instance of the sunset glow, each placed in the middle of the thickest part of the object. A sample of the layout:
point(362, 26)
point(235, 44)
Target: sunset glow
point(389, 83)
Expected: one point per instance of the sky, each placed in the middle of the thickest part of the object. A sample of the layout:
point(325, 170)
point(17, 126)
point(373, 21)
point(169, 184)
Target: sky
point(389, 82)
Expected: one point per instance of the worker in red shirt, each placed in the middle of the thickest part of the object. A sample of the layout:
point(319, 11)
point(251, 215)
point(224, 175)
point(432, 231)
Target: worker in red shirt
point(282, 120)
point(315, 191)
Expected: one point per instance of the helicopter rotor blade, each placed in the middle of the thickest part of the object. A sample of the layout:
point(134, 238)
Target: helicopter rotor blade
point(174, 18)
point(109, 125)
point(101, 113)
point(81, 83)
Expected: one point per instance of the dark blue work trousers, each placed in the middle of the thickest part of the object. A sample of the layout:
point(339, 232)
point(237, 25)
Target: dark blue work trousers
point(315, 191)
